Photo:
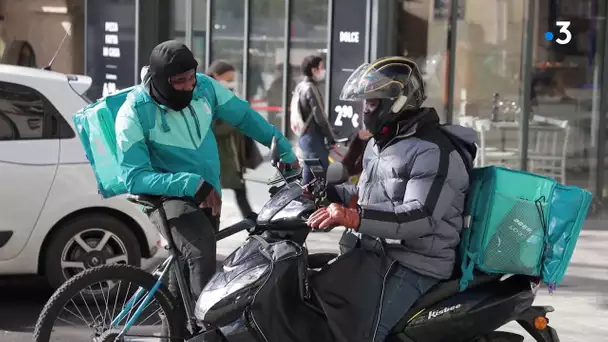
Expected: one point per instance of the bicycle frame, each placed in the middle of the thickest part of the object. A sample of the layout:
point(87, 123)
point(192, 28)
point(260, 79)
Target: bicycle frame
point(160, 271)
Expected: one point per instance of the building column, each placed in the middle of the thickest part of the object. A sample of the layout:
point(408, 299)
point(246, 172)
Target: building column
point(152, 32)
point(383, 28)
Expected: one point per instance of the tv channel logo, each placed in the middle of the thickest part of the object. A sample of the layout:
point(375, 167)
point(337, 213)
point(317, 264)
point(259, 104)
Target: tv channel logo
point(564, 35)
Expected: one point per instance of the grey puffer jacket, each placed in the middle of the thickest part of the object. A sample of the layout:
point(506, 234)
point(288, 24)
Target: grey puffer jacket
point(411, 193)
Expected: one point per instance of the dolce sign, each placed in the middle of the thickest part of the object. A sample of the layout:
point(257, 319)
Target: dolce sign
point(348, 51)
point(349, 37)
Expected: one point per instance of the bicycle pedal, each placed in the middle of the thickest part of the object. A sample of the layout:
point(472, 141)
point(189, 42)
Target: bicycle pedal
point(214, 335)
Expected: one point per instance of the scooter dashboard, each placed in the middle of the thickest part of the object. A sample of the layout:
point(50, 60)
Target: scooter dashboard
point(289, 176)
point(280, 200)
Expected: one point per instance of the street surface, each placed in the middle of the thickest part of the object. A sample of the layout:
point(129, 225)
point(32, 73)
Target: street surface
point(581, 303)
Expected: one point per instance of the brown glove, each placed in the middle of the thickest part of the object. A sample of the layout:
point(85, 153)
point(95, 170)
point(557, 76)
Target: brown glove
point(333, 216)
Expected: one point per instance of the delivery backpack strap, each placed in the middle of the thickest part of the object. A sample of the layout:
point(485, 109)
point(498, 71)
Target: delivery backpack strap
point(460, 148)
point(467, 262)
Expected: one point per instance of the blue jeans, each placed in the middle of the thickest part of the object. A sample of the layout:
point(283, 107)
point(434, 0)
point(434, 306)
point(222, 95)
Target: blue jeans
point(403, 287)
point(313, 147)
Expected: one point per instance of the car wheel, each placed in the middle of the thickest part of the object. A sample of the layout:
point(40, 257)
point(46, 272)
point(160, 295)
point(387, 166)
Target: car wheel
point(89, 241)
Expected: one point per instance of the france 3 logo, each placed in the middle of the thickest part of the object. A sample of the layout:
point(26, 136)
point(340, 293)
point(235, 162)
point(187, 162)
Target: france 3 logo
point(564, 35)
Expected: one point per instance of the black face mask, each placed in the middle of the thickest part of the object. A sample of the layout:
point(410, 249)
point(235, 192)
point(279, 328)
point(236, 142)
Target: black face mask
point(374, 116)
point(370, 123)
point(168, 59)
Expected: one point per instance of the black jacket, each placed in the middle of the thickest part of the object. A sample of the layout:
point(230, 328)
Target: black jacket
point(311, 103)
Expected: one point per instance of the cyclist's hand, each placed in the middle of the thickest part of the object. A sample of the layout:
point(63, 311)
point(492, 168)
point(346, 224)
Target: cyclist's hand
point(214, 202)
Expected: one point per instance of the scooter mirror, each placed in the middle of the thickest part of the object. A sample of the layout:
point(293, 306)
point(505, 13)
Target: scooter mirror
point(336, 174)
point(275, 156)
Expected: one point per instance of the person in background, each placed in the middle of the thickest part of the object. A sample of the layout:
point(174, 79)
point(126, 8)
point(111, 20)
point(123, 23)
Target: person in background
point(353, 158)
point(318, 135)
point(20, 52)
point(231, 144)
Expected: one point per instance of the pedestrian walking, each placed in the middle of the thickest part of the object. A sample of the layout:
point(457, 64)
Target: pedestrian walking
point(237, 152)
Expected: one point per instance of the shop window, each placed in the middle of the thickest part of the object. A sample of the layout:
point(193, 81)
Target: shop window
point(308, 36)
point(266, 59)
point(228, 26)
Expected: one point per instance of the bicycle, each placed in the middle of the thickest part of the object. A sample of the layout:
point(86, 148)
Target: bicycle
point(178, 316)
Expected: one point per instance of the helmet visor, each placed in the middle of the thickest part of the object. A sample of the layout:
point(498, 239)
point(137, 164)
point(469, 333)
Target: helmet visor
point(368, 83)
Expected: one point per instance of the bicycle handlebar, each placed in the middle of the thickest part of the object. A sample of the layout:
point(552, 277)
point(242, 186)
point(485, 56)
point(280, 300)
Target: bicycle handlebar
point(235, 228)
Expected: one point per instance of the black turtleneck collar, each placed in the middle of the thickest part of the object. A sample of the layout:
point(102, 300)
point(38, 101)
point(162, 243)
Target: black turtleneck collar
point(410, 123)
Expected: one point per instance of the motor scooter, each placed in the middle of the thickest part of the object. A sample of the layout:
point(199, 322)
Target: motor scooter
point(444, 313)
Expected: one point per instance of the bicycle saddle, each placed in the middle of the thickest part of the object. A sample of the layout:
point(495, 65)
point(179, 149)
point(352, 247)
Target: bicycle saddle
point(146, 200)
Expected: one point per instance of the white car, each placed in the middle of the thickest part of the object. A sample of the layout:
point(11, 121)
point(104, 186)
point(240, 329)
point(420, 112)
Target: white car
point(53, 222)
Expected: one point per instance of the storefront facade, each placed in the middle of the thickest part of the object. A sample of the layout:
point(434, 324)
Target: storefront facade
point(534, 101)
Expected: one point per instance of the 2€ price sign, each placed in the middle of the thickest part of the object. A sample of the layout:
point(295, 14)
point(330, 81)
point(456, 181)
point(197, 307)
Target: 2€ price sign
point(346, 112)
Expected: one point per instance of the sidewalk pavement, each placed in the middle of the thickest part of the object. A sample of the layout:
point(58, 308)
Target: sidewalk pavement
point(581, 302)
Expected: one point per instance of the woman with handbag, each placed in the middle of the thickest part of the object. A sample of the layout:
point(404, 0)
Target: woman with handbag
point(237, 152)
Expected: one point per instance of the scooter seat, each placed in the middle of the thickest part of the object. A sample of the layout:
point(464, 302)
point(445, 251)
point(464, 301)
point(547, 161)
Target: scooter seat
point(446, 289)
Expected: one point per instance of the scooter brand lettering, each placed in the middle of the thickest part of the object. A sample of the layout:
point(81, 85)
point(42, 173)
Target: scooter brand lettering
point(437, 313)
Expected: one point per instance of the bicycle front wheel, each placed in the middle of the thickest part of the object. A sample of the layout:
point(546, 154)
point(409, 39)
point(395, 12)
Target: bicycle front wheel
point(70, 315)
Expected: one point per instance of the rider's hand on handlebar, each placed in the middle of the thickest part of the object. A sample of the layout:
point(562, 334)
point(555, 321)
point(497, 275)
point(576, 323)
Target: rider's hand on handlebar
point(213, 201)
point(333, 216)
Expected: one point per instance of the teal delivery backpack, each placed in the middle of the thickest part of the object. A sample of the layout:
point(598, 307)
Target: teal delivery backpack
point(95, 127)
point(520, 223)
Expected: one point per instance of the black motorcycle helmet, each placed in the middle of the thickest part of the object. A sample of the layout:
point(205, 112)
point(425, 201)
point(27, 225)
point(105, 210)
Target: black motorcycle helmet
point(389, 88)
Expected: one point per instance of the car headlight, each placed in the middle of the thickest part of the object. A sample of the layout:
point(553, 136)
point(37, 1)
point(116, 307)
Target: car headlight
point(213, 295)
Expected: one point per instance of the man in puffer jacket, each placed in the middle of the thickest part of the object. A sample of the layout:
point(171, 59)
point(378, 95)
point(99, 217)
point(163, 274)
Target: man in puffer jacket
point(410, 197)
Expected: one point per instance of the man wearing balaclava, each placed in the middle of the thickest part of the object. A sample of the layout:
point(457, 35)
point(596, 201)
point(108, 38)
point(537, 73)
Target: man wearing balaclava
point(166, 148)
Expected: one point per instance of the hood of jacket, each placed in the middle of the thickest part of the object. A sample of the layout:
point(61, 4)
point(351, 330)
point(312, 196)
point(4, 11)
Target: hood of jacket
point(427, 118)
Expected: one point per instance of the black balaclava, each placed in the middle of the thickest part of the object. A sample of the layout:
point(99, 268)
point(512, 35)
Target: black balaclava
point(377, 116)
point(168, 59)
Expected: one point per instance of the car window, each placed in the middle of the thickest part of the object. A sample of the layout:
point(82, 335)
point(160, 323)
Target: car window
point(25, 114)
